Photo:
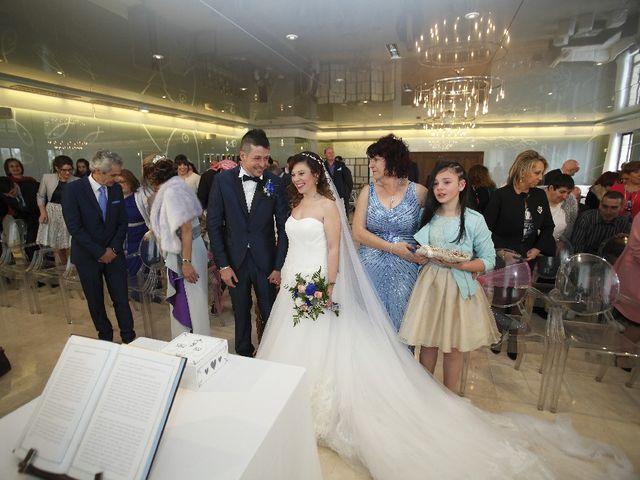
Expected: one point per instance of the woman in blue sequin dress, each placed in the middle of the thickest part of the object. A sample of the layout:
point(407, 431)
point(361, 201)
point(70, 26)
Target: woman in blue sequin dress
point(386, 218)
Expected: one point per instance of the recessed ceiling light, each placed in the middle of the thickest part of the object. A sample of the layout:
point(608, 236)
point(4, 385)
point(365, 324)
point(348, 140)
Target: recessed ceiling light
point(243, 89)
point(379, 114)
point(157, 56)
point(471, 15)
point(407, 88)
point(164, 96)
point(339, 80)
point(524, 109)
point(144, 109)
point(549, 93)
point(60, 72)
point(598, 63)
point(609, 106)
point(222, 110)
point(289, 106)
point(291, 36)
point(365, 101)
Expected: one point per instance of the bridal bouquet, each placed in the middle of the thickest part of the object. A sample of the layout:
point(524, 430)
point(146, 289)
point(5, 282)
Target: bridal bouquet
point(311, 297)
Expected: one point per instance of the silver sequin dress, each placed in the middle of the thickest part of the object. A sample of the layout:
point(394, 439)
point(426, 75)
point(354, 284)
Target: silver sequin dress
point(392, 277)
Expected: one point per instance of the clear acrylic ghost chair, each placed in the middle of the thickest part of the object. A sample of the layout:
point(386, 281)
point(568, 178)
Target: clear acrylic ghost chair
point(69, 283)
point(546, 267)
point(146, 285)
point(586, 285)
point(612, 248)
point(509, 286)
point(45, 271)
point(14, 262)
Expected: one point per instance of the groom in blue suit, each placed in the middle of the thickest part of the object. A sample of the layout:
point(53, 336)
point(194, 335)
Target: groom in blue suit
point(94, 211)
point(247, 205)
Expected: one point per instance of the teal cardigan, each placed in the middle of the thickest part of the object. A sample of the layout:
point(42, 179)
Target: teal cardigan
point(476, 241)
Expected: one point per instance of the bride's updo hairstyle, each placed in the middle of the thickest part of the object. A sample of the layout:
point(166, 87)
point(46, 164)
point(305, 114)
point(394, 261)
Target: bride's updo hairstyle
point(160, 170)
point(316, 165)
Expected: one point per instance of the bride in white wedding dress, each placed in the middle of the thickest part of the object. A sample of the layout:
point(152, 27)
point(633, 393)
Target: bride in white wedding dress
point(372, 402)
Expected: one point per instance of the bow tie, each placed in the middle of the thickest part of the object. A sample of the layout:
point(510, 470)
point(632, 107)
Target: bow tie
point(246, 178)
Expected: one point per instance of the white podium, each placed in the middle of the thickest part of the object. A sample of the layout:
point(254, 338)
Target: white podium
point(252, 420)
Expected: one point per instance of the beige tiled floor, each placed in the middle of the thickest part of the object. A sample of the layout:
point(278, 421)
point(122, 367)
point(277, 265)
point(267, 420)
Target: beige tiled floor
point(607, 411)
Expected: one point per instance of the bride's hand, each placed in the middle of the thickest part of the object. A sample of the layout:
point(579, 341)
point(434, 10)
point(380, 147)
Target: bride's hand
point(330, 295)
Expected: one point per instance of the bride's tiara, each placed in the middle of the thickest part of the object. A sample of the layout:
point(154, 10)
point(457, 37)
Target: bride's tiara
point(313, 157)
point(157, 158)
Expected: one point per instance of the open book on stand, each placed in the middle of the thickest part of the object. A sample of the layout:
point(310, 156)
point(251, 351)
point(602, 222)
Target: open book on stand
point(102, 411)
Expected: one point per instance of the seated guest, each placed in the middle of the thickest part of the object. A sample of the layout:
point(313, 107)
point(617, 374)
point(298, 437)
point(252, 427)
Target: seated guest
point(136, 226)
point(595, 226)
point(629, 188)
point(22, 199)
point(601, 186)
point(563, 211)
point(482, 186)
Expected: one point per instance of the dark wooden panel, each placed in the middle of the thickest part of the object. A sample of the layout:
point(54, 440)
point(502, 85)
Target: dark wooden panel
point(428, 160)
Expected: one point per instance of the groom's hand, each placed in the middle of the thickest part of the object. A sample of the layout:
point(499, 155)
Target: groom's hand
point(228, 277)
point(274, 277)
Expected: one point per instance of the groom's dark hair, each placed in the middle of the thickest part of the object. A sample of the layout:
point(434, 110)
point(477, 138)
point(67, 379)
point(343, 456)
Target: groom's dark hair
point(256, 138)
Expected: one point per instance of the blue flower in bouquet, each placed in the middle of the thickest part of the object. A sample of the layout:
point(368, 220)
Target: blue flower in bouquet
point(269, 189)
point(311, 297)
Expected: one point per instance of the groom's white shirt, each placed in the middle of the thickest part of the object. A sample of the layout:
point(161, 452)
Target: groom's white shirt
point(248, 187)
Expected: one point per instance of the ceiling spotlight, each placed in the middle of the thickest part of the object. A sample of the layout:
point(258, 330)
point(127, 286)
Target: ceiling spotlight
point(144, 110)
point(243, 89)
point(393, 51)
point(164, 96)
point(365, 101)
point(291, 36)
point(471, 15)
point(339, 80)
point(524, 109)
point(379, 114)
point(60, 72)
point(598, 63)
point(549, 93)
point(157, 56)
point(407, 88)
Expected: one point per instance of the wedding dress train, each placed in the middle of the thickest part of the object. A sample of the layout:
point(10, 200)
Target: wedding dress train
point(375, 405)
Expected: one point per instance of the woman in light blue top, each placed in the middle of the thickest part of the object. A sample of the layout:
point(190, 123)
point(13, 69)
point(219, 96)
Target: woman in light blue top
point(447, 309)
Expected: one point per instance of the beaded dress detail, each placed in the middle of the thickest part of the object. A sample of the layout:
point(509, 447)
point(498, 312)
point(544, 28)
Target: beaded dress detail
point(392, 277)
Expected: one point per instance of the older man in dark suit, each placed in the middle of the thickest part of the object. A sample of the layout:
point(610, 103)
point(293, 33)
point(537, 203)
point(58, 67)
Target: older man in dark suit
point(94, 211)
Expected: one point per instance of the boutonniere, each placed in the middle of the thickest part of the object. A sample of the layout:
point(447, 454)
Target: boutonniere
point(268, 189)
point(539, 209)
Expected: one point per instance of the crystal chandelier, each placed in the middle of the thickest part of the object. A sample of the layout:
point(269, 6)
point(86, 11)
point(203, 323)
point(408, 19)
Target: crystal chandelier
point(470, 40)
point(456, 102)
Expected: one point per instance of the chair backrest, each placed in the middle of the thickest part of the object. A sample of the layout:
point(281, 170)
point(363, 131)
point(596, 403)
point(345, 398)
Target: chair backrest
point(507, 285)
point(547, 267)
point(586, 284)
point(612, 248)
point(149, 251)
point(14, 231)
